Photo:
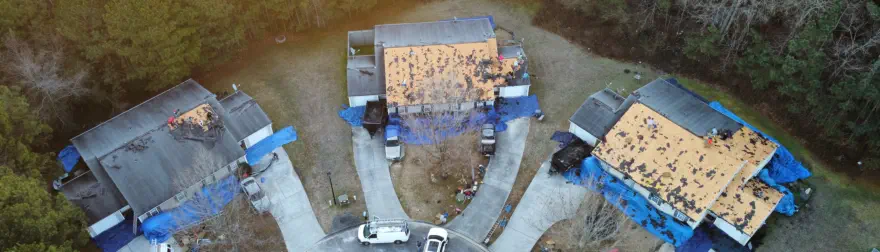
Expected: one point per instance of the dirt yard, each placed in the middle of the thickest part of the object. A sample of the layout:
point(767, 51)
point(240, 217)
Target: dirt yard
point(423, 197)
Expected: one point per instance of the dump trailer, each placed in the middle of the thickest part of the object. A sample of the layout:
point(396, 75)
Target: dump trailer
point(375, 116)
point(570, 156)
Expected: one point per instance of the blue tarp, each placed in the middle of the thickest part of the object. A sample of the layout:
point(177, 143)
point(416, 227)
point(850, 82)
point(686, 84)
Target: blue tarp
point(563, 137)
point(113, 239)
point(353, 115)
point(491, 19)
point(783, 168)
point(68, 157)
point(267, 145)
point(209, 202)
point(786, 204)
point(516, 107)
point(661, 225)
point(700, 242)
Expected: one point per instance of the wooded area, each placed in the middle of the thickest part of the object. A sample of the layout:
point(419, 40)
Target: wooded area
point(811, 65)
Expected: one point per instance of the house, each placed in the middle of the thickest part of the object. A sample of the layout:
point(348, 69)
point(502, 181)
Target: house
point(434, 66)
point(158, 153)
point(659, 146)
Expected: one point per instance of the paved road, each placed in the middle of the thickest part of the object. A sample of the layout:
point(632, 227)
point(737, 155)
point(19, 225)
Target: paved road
point(346, 241)
point(290, 204)
point(547, 200)
point(372, 168)
point(480, 215)
point(141, 244)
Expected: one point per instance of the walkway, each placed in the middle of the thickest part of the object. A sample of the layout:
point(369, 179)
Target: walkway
point(372, 168)
point(141, 244)
point(478, 218)
point(290, 204)
point(547, 200)
point(345, 241)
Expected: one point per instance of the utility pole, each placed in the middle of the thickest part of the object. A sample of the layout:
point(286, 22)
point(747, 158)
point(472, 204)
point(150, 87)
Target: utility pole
point(331, 188)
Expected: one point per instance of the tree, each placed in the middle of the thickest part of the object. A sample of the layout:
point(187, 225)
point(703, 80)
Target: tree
point(22, 16)
point(20, 130)
point(41, 74)
point(34, 220)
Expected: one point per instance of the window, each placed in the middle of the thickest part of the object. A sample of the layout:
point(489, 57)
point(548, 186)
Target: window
point(710, 218)
point(681, 216)
point(373, 236)
point(656, 199)
point(180, 196)
point(153, 211)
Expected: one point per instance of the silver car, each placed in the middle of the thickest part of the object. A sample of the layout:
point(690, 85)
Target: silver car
point(255, 194)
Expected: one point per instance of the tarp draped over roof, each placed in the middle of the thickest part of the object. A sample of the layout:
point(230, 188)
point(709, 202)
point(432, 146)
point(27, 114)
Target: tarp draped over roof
point(268, 144)
point(663, 226)
point(68, 157)
point(208, 202)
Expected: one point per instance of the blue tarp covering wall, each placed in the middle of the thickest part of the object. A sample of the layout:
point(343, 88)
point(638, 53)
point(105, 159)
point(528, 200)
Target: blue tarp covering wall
point(113, 239)
point(783, 168)
point(591, 175)
point(209, 202)
point(68, 157)
point(491, 19)
point(267, 145)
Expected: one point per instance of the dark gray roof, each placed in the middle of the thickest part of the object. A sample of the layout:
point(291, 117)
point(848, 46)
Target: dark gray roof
point(91, 196)
point(510, 51)
point(363, 77)
point(683, 107)
point(600, 112)
point(128, 125)
point(245, 115)
point(145, 169)
point(434, 33)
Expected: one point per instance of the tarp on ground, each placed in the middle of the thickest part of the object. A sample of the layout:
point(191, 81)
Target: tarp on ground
point(563, 137)
point(68, 157)
point(516, 107)
point(786, 204)
point(661, 225)
point(353, 115)
point(700, 242)
point(783, 168)
point(491, 19)
point(203, 205)
point(268, 144)
point(113, 239)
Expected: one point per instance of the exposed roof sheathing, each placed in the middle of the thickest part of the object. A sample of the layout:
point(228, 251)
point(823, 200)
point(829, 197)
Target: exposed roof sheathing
point(669, 161)
point(437, 73)
point(746, 205)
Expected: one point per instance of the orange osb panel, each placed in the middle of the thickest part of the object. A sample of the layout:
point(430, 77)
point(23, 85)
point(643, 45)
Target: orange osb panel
point(194, 117)
point(747, 145)
point(746, 203)
point(441, 74)
point(668, 160)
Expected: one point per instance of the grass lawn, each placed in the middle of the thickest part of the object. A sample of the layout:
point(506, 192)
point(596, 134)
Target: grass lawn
point(842, 215)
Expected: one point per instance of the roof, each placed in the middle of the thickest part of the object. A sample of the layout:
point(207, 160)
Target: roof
point(436, 74)
point(600, 111)
point(363, 77)
point(746, 205)
point(128, 125)
point(434, 33)
point(669, 161)
point(683, 107)
point(155, 166)
point(91, 196)
point(245, 115)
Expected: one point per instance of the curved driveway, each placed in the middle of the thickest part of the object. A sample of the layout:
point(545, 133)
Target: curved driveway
point(372, 168)
point(480, 215)
point(346, 241)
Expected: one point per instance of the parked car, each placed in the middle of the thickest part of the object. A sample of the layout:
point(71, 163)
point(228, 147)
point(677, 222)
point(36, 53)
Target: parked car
point(383, 231)
point(436, 240)
point(487, 139)
point(255, 194)
point(393, 146)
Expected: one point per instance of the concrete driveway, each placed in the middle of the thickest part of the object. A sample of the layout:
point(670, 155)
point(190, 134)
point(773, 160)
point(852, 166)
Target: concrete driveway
point(290, 204)
point(547, 200)
point(372, 168)
point(346, 241)
point(480, 215)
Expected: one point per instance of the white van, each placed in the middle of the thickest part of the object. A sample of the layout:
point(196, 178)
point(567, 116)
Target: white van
point(384, 231)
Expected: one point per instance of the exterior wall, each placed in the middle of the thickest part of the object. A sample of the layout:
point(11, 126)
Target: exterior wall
point(108, 222)
point(514, 91)
point(438, 107)
point(731, 231)
point(257, 136)
point(355, 101)
point(662, 206)
point(582, 134)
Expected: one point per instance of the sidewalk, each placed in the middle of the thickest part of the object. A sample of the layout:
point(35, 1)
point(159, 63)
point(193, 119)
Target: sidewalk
point(373, 170)
point(547, 200)
point(290, 204)
point(478, 218)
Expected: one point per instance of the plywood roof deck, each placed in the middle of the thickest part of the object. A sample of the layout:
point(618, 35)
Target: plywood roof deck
point(745, 203)
point(438, 74)
point(200, 116)
point(669, 160)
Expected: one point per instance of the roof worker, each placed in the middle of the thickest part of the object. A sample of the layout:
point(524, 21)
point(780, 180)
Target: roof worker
point(525, 76)
point(500, 57)
point(714, 132)
point(651, 123)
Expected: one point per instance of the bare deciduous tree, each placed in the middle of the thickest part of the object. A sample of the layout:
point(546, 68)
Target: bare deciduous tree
point(42, 74)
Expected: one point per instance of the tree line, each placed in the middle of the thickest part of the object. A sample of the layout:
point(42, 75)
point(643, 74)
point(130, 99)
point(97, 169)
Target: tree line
point(814, 62)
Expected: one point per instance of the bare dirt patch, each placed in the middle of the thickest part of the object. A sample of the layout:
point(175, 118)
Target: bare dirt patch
point(423, 197)
point(237, 228)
